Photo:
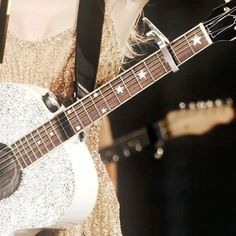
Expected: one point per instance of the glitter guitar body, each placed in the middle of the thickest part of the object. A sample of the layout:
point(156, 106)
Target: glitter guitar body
point(58, 189)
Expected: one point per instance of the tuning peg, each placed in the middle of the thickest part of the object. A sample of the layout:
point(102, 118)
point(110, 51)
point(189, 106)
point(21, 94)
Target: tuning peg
point(159, 153)
point(126, 152)
point(218, 102)
point(182, 105)
point(138, 147)
point(192, 105)
point(229, 101)
point(131, 143)
point(201, 105)
point(115, 158)
point(159, 145)
point(209, 104)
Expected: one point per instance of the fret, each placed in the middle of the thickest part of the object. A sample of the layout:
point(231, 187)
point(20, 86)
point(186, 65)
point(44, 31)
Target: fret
point(56, 138)
point(197, 40)
point(111, 97)
point(29, 150)
point(66, 130)
point(76, 124)
point(22, 154)
point(142, 75)
point(124, 83)
point(157, 67)
point(120, 90)
point(48, 139)
point(194, 39)
point(66, 121)
point(149, 72)
point(186, 51)
point(25, 152)
point(189, 44)
point(139, 87)
point(91, 108)
point(39, 153)
point(173, 53)
point(131, 83)
point(105, 108)
point(45, 138)
point(178, 47)
point(104, 99)
point(84, 117)
point(51, 134)
point(161, 62)
point(41, 142)
point(20, 159)
point(101, 103)
point(82, 102)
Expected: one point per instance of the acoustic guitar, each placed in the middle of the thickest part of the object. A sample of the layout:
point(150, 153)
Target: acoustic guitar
point(47, 176)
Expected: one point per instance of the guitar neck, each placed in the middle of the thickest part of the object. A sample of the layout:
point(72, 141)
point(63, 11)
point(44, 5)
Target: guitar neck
point(135, 142)
point(134, 80)
point(126, 146)
point(108, 97)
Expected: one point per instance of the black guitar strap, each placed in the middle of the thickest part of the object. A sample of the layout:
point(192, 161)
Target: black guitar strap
point(88, 42)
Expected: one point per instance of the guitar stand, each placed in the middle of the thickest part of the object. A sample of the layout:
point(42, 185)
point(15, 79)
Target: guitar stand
point(162, 43)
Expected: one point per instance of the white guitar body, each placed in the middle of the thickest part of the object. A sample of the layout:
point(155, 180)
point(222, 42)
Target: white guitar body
point(60, 188)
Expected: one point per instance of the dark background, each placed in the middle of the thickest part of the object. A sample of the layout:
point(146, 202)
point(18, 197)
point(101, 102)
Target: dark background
point(191, 190)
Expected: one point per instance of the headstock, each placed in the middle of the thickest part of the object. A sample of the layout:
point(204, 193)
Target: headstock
point(199, 117)
point(221, 24)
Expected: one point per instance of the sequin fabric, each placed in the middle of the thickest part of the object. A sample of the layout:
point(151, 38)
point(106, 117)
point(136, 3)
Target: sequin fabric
point(50, 63)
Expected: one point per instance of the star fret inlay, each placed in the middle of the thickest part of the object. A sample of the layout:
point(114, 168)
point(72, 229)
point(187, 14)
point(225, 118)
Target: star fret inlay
point(104, 110)
point(95, 94)
point(78, 127)
point(39, 142)
point(142, 74)
point(119, 89)
point(196, 40)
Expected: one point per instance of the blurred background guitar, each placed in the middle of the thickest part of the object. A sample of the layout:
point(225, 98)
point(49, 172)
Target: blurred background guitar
point(192, 119)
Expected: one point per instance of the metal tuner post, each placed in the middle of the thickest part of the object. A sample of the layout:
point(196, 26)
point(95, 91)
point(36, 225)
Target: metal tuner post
point(162, 42)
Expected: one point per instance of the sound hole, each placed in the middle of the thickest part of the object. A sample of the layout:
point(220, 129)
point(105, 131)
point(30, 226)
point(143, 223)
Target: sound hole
point(10, 172)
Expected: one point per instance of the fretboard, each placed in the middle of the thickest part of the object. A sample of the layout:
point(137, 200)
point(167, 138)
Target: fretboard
point(108, 97)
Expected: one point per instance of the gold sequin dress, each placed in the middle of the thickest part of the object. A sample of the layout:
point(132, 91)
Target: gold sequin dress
point(50, 63)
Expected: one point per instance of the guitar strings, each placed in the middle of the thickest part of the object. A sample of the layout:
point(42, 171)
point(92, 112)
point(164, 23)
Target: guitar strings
point(86, 115)
point(118, 82)
point(13, 162)
point(127, 83)
point(181, 47)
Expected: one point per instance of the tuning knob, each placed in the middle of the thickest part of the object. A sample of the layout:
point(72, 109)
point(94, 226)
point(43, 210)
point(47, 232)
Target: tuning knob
point(159, 145)
point(192, 105)
point(229, 101)
point(51, 102)
point(182, 105)
point(159, 153)
point(209, 104)
point(218, 102)
point(201, 104)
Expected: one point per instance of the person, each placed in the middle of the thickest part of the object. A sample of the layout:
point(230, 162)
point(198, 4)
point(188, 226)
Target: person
point(40, 50)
